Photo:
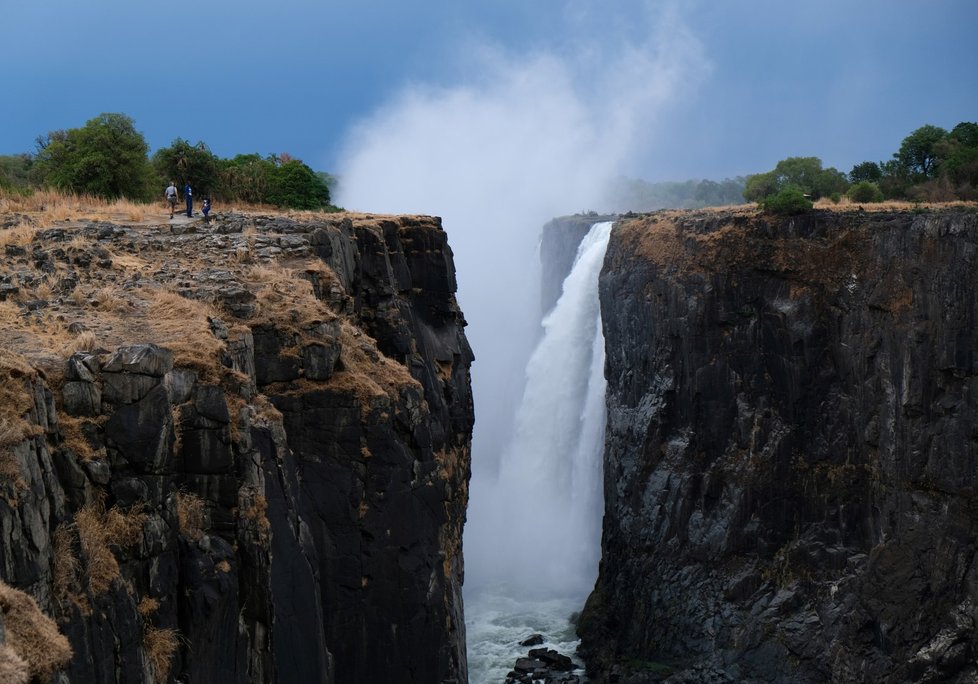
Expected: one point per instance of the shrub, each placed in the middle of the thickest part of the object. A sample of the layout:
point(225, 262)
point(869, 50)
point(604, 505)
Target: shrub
point(32, 636)
point(865, 191)
point(787, 202)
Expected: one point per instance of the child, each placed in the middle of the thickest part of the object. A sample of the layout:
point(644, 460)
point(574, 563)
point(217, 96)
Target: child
point(206, 209)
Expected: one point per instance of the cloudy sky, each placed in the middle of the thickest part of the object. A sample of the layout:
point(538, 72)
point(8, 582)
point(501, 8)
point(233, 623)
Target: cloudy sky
point(740, 84)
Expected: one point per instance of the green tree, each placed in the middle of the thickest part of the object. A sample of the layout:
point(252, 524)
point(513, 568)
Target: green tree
point(183, 163)
point(918, 153)
point(958, 154)
point(245, 178)
point(895, 179)
point(865, 191)
point(15, 171)
point(965, 133)
point(761, 185)
point(294, 185)
point(802, 173)
point(787, 202)
point(106, 158)
point(866, 171)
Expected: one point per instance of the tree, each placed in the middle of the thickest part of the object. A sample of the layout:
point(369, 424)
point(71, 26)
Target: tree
point(918, 153)
point(866, 171)
point(965, 133)
point(760, 185)
point(245, 178)
point(106, 158)
point(802, 173)
point(186, 163)
point(865, 191)
point(787, 202)
point(294, 185)
point(15, 170)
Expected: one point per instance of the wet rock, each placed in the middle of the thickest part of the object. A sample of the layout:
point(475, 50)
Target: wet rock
point(788, 458)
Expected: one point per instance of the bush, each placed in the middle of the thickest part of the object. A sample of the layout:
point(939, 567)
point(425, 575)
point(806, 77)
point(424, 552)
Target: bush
point(787, 202)
point(865, 191)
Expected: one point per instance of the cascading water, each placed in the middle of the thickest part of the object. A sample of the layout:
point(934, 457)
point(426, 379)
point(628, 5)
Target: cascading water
point(533, 535)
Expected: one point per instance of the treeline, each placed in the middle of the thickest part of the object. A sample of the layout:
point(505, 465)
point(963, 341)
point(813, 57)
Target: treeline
point(931, 165)
point(109, 158)
point(631, 194)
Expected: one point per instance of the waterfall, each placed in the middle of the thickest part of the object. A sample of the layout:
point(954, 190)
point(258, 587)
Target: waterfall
point(533, 536)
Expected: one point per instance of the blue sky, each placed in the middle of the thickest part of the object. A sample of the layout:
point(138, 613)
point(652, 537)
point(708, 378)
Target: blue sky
point(842, 80)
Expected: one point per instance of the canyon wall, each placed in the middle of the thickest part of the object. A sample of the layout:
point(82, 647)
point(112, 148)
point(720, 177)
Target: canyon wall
point(791, 458)
point(253, 467)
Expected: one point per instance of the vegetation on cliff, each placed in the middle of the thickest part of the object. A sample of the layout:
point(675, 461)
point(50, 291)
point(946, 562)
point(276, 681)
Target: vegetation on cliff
point(109, 158)
point(932, 165)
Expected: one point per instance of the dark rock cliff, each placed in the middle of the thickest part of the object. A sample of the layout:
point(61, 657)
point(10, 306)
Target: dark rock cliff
point(790, 466)
point(262, 477)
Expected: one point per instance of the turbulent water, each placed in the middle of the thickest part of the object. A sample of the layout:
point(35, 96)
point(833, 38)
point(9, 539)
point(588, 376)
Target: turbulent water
point(533, 537)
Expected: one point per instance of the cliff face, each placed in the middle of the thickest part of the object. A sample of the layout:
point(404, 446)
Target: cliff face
point(790, 466)
point(255, 465)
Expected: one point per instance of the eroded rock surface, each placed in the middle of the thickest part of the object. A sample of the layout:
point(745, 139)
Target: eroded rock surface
point(790, 467)
point(239, 452)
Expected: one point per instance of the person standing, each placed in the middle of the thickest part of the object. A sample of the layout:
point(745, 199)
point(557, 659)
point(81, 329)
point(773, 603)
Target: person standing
point(171, 197)
point(206, 209)
point(188, 194)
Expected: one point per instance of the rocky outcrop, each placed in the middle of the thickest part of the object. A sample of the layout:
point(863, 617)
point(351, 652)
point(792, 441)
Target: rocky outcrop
point(263, 478)
point(790, 466)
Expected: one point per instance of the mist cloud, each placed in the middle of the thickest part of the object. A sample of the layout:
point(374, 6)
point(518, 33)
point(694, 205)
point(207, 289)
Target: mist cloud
point(521, 139)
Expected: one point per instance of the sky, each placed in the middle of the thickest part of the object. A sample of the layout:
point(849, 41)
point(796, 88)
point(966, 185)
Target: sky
point(760, 80)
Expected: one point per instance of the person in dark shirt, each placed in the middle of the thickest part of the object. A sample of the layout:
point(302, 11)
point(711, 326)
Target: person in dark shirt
point(188, 193)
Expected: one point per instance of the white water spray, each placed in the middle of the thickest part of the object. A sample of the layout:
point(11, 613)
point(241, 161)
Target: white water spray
point(548, 537)
point(543, 543)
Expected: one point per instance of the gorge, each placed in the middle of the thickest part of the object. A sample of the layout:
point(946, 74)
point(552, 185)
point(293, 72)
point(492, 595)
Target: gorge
point(241, 452)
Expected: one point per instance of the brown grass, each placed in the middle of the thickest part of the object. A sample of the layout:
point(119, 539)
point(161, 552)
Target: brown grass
point(32, 635)
point(74, 437)
point(19, 236)
point(66, 565)
point(159, 646)
point(13, 668)
point(181, 325)
point(102, 566)
point(124, 527)
point(16, 403)
point(147, 606)
point(366, 371)
point(286, 298)
point(191, 515)
point(97, 529)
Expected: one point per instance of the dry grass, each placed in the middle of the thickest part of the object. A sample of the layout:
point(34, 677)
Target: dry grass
point(53, 206)
point(84, 341)
point(102, 566)
point(124, 527)
point(65, 563)
point(182, 326)
point(191, 515)
point(97, 530)
point(74, 436)
point(147, 606)
point(18, 236)
point(16, 403)
point(286, 298)
point(366, 371)
point(13, 668)
point(159, 646)
point(32, 635)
